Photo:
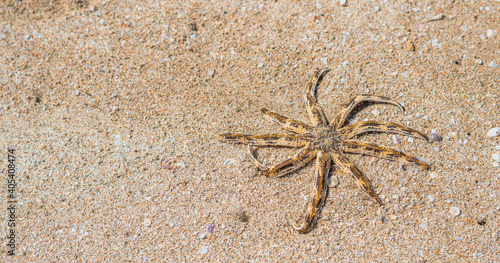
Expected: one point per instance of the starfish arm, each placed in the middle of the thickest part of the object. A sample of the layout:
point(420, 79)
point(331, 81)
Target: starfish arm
point(348, 168)
point(266, 139)
point(317, 201)
point(299, 160)
point(314, 81)
point(344, 113)
point(348, 132)
point(380, 152)
point(313, 109)
point(285, 122)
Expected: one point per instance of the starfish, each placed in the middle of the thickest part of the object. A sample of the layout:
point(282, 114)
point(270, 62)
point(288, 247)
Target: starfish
point(328, 142)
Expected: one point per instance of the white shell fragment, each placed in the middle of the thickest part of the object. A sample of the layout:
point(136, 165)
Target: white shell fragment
point(342, 2)
point(437, 17)
point(491, 33)
point(433, 175)
point(395, 139)
point(493, 132)
point(496, 157)
point(203, 250)
point(454, 211)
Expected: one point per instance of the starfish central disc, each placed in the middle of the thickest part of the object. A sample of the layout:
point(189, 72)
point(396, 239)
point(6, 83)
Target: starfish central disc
point(325, 138)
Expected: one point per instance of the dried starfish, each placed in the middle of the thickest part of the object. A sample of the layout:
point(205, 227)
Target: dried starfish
point(327, 141)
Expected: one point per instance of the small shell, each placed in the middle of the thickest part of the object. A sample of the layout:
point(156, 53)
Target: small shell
point(433, 175)
point(454, 211)
point(395, 139)
point(437, 17)
point(172, 163)
point(493, 132)
point(435, 137)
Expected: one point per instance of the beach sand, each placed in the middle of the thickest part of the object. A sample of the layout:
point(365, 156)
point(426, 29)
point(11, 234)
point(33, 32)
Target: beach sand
point(113, 110)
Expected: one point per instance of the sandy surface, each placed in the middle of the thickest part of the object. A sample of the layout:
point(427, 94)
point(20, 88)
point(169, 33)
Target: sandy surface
point(114, 110)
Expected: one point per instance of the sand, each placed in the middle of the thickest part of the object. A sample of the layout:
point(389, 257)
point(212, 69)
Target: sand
point(114, 110)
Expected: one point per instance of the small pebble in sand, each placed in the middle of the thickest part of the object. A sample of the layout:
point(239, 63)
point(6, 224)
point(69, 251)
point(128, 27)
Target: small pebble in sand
point(431, 198)
point(146, 222)
point(454, 211)
point(433, 175)
point(211, 72)
point(435, 42)
point(493, 64)
point(495, 164)
point(437, 149)
point(493, 132)
point(491, 33)
point(479, 62)
point(202, 236)
point(210, 228)
point(435, 137)
point(203, 250)
point(375, 112)
point(410, 139)
point(496, 157)
point(395, 139)
point(383, 219)
point(342, 2)
point(409, 46)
